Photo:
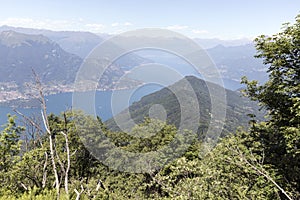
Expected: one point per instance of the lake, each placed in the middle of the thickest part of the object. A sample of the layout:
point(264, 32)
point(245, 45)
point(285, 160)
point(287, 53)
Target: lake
point(103, 103)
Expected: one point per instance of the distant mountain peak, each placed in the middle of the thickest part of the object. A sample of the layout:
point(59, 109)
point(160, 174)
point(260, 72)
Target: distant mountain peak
point(213, 42)
point(220, 46)
point(12, 38)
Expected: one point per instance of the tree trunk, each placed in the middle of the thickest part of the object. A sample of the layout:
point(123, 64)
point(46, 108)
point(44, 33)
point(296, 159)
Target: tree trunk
point(51, 153)
point(47, 127)
point(68, 164)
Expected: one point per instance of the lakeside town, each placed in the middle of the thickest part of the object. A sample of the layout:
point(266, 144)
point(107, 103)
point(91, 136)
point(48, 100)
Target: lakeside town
point(12, 92)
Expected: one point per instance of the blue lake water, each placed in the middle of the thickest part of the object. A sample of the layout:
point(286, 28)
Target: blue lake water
point(103, 103)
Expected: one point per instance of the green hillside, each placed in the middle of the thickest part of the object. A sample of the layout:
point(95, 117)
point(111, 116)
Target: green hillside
point(237, 108)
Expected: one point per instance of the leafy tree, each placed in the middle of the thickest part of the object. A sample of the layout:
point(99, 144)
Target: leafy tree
point(230, 171)
point(279, 136)
point(10, 146)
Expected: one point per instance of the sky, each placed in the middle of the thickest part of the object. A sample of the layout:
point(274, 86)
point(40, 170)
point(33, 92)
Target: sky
point(223, 19)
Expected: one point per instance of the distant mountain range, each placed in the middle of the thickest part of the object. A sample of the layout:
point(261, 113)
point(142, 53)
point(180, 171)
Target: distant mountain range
point(19, 53)
point(213, 42)
point(232, 63)
point(57, 55)
point(237, 61)
point(79, 43)
point(237, 107)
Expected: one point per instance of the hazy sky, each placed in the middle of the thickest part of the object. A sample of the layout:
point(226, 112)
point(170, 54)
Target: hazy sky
point(225, 19)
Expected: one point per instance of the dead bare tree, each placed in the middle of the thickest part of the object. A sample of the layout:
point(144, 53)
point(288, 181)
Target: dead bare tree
point(68, 163)
point(65, 169)
point(45, 171)
point(47, 127)
point(53, 152)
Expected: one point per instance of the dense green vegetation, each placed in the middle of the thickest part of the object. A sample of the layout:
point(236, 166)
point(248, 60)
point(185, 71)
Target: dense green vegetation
point(261, 162)
point(237, 106)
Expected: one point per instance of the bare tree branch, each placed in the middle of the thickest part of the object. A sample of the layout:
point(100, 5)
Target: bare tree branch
point(79, 193)
point(33, 124)
point(47, 127)
point(45, 171)
point(260, 171)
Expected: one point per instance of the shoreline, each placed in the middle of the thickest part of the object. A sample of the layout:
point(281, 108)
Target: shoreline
point(21, 100)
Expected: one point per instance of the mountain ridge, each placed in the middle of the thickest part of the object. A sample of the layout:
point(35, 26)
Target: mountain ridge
point(19, 53)
point(237, 107)
point(76, 42)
